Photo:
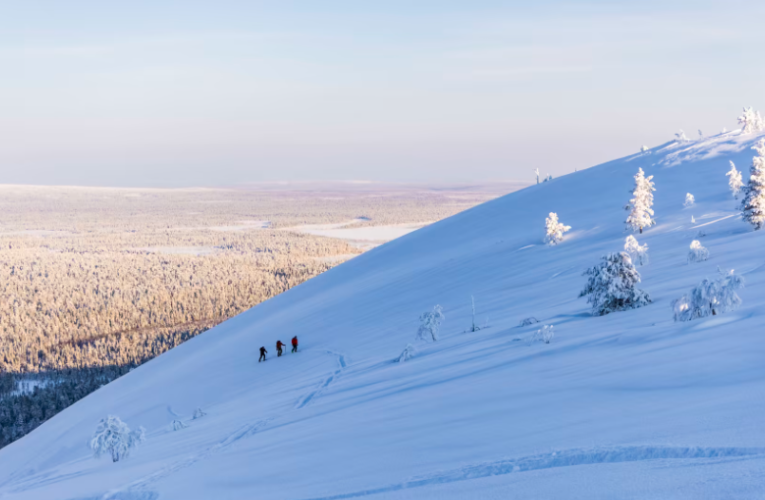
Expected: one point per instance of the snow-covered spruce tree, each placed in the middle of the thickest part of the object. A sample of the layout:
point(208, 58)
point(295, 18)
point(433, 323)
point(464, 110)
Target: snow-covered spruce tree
point(611, 285)
point(409, 352)
point(751, 121)
point(710, 298)
point(641, 213)
point(178, 425)
point(644, 148)
point(734, 182)
point(555, 229)
point(430, 322)
point(690, 200)
point(114, 437)
point(681, 137)
point(638, 253)
point(536, 171)
point(753, 204)
point(198, 413)
point(544, 334)
point(697, 252)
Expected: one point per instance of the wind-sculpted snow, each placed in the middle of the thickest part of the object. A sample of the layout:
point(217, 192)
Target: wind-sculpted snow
point(565, 458)
point(628, 405)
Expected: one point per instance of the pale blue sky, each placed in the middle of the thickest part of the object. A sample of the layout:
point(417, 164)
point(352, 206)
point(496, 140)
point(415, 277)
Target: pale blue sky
point(153, 93)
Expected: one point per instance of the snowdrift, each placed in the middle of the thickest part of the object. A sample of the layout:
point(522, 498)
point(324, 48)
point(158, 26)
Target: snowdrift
point(627, 405)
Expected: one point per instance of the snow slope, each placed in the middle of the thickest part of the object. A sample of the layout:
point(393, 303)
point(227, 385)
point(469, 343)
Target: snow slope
point(629, 405)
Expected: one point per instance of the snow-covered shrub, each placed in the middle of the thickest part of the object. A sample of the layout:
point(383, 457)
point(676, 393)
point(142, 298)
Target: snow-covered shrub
point(198, 413)
point(698, 252)
point(638, 253)
point(701, 134)
point(690, 200)
point(544, 334)
point(474, 327)
point(641, 213)
point(681, 137)
point(644, 149)
point(611, 285)
point(113, 436)
point(409, 352)
point(430, 322)
point(528, 321)
point(536, 171)
point(734, 182)
point(555, 230)
point(693, 220)
point(178, 425)
point(710, 298)
point(753, 204)
point(751, 121)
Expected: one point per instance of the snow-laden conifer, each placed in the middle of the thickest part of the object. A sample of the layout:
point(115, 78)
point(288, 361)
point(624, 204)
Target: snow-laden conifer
point(555, 229)
point(430, 322)
point(697, 252)
point(536, 171)
point(611, 285)
point(409, 352)
point(710, 298)
point(178, 425)
point(753, 204)
point(198, 413)
point(734, 182)
point(690, 200)
point(751, 121)
point(641, 213)
point(114, 437)
point(544, 334)
point(644, 148)
point(681, 137)
point(638, 253)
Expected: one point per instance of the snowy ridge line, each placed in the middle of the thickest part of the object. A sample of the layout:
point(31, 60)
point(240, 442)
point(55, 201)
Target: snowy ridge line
point(342, 364)
point(566, 458)
point(139, 484)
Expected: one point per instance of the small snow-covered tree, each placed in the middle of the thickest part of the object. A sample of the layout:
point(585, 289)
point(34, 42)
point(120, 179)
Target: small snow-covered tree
point(644, 149)
point(198, 413)
point(751, 121)
point(611, 285)
point(697, 253)
point(681, 137)
point(753, 204)
point(178, 425)
point(114, 437)
point(638, 253)
point(409, 352)
point(710, 298)
point(734, 182)
point(474, 327)
point(555, 229)
point(701, 134)
point(544, 334)
point(690, 200)
point(641, 213)
point(536, 171)
point(430, 322)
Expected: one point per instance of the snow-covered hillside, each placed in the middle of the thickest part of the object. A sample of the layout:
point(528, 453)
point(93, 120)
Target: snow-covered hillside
point(627, 405)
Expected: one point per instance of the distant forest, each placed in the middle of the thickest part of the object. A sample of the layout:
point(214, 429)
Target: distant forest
point(96, 281)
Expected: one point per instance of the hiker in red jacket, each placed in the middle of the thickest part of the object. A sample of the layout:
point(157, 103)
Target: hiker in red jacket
point(294, 343)
point(279, 345)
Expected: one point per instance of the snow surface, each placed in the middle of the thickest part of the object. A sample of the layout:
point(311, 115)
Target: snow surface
point(628, 405)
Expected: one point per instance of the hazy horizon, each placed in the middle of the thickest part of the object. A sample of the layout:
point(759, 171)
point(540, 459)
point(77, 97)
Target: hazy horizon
point(193, 94)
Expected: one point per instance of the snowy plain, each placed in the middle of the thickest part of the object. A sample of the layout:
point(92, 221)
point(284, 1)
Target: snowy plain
point(628, 405)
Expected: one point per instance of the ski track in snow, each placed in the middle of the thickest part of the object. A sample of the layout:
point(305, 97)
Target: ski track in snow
point(137, 489)
point(566, 458)
point(342, 363)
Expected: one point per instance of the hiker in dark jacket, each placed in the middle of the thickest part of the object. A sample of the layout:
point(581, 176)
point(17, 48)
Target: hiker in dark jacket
point(262, 354)
point(279, 345)
point(294, 343)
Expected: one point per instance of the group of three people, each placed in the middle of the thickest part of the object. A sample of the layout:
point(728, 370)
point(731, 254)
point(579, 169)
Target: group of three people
point(279, 345)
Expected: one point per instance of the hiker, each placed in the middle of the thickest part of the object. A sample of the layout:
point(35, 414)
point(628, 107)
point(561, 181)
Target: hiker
point(262, 354)
point(279, 345)
point(294, 343)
